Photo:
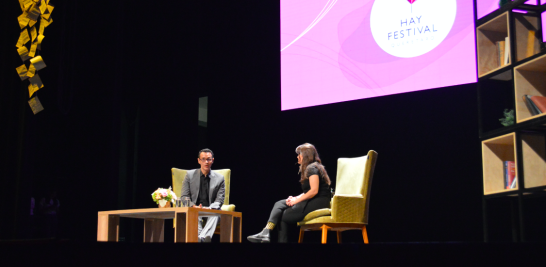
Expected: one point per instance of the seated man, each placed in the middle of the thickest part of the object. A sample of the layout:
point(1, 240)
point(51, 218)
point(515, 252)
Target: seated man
point(212, 195)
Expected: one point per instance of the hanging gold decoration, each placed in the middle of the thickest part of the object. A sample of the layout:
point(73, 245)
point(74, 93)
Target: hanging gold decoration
point(35, 19)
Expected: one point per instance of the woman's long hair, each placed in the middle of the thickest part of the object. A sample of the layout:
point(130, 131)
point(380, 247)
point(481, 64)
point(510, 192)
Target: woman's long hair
point(310, 156)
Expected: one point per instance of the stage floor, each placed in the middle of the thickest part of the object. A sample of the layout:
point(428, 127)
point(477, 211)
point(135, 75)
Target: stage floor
point(64, 253)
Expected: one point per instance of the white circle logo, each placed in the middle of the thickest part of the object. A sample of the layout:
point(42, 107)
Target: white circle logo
point(410, 28)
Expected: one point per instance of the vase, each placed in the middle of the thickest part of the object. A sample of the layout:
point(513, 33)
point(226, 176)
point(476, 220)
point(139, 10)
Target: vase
point(164, 204)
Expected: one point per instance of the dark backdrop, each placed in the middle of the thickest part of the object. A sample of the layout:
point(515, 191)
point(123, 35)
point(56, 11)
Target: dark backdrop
point(121, 93)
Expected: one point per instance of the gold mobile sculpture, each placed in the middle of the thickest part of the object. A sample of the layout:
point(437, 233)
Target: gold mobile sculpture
point(35, 18)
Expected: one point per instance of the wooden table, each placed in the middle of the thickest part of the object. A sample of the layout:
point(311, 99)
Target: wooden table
point(154, 223)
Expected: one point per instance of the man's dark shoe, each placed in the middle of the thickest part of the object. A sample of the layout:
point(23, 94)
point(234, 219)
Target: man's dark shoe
point(261, 237)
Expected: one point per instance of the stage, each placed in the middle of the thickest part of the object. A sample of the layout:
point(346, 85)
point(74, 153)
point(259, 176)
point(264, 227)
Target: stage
point(65, 253)
point(132, 92)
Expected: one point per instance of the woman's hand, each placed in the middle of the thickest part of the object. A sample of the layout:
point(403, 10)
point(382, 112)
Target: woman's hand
point(314, 183)
point(288, 200)
point(292, 201)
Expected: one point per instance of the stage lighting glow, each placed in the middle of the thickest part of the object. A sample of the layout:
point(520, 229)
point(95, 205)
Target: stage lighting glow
point(341, 50)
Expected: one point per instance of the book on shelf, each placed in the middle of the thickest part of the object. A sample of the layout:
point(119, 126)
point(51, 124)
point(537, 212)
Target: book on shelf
point(506, 50)
point(531, 105)
point(514, 183)
point(505, 172)
point(503, 52)
point(530, 43)
point(509, 174)
point(540, 102)
point(500, 53)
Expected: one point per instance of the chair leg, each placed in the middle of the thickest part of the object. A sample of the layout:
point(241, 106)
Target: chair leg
point(365, 234)
point(300, 240)
point(339, 237)
point(324, 233)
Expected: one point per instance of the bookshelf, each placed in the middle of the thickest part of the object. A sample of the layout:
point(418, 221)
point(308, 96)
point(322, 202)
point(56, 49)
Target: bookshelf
point(495, 152)
point(529, 79)
point(534, 159)
point(503, 86)
point(487, 36)
point(526, 28)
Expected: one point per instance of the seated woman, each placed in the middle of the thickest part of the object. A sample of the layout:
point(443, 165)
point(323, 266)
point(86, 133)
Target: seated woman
point(316, 195)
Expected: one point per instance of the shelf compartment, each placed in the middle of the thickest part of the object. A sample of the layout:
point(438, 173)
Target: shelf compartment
point(529, 79)
point(487, 36)
point(495, 96)
point(495, 152)
point(534, 159)
point(527, 32)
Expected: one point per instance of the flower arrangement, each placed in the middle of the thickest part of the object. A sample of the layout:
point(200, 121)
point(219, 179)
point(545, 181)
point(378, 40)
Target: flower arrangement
point(163, 196)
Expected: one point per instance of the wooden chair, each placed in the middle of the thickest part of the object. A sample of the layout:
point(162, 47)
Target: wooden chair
point(350, 204)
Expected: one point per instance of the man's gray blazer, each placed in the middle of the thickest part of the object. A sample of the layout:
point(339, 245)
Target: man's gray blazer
point(192, 182)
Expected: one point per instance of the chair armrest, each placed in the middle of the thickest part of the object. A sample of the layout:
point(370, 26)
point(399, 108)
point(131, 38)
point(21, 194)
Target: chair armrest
point(230, 207)
point(348, 208)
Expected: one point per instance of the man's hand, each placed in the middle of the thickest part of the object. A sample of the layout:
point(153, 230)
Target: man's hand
point(199, 207)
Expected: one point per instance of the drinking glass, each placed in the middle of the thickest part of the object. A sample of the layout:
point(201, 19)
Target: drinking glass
point(178, 203)
point(186, 201)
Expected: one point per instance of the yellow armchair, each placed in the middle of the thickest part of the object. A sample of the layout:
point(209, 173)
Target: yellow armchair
point(178, 178)
point(349, 206)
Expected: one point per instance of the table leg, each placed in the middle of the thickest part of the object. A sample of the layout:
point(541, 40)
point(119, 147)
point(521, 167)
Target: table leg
point(192, 219)
point(108, 228)
point(180, 229)
point(154, 230)
point(237, 229)
point(226, 228)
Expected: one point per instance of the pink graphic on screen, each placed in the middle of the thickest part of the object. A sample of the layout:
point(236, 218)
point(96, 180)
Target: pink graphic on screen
point(486, 6)
point(534, 2)
point(544, 27)
point(328, 53)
